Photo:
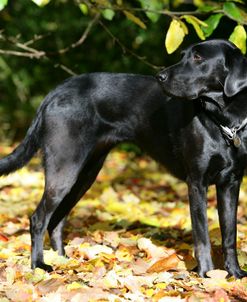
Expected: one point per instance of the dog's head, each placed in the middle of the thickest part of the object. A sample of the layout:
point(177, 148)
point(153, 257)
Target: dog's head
point(205, 69)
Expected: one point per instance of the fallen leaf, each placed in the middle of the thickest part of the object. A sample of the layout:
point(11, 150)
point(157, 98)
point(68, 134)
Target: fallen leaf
point(49, 285)
point(152, 250)
point(165, 264)
point(3, 238)
point(217, 274)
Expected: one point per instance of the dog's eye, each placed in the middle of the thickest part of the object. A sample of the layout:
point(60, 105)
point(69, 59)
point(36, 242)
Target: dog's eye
point(197, 57)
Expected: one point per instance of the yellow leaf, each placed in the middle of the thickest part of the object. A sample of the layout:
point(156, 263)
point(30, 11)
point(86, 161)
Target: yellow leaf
point(149, 292)
point(124, 254)
point(161, 285)
point(135, 19)
point(41, 2)
point(198, 3)
point(35, 276)
point(195, 22)
point(238, 37)
point(185, 28)
point(73, 285)
point(174, 35)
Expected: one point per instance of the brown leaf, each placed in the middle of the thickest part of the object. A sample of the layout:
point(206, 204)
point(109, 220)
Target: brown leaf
point(239, 292)
point(221, 295)
point(50, 285)
point(20, 292)
point(165, 264)
point(139, 267)
point(3, 238)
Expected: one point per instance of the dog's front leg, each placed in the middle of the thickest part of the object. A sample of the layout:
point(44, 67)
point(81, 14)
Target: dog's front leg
point(227, 198)
point(198, 212)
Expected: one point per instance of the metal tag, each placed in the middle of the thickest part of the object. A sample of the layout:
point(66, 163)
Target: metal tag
point(236, 141)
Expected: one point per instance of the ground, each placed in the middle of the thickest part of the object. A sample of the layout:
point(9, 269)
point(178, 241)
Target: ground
point(128, 239)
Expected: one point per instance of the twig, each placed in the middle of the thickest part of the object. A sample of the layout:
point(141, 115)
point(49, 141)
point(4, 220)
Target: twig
point(32, 53)
point(36, 38)
point(82, 38)
point(126, 49)
point(171, 14)
point(138, 9)
point(65, 68)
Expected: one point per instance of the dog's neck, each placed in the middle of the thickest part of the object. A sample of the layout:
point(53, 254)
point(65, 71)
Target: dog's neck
point(227, 112)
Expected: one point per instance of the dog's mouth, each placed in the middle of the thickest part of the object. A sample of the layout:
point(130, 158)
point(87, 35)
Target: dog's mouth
point(173, 89)
point(184, 96)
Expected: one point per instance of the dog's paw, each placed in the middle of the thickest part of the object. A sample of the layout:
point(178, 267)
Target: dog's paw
point(202, 270)
point(239, 274)
point(42, 265)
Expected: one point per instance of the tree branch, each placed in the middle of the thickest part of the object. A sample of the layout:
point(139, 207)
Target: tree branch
point(126, 49)
point(83, 37)
point(165, 12)
point(32, 53)
point(139, 9)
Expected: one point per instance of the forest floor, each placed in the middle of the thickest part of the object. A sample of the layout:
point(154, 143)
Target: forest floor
point(128, 239)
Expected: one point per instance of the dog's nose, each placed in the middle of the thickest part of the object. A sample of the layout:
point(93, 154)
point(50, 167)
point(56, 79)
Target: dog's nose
point(162, 77)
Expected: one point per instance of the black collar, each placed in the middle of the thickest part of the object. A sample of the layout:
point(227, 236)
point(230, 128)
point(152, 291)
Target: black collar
point(230, 134)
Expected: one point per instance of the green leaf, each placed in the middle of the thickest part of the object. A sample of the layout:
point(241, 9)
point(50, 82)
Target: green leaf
point(238, 37)
point(206, 8)
point(195, 22)
point(108, 14)
point(84, 9)
point(212, 23)
point(232, 11)
point(3, 3)
point(41, 2)
point(152, 5)
point(135, 19)
point(175, 35)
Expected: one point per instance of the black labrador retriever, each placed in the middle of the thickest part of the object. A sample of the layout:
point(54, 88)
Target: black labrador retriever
point(83, 118)
point(214, 74)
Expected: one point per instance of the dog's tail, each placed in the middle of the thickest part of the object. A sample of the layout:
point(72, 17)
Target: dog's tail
point(25, 151)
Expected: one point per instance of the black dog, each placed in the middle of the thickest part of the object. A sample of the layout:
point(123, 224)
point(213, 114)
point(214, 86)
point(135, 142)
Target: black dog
point(214, 72)
point(82, 119)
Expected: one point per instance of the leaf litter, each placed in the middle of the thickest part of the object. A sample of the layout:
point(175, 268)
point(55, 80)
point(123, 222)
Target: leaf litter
point(128, 239)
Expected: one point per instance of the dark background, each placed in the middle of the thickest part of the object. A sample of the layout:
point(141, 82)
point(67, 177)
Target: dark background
point(24, 81)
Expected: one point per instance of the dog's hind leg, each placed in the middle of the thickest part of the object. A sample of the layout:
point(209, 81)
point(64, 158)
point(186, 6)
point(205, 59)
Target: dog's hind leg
point(84, 181)
point(198, 209)
point(63, 174)
point(56, 235)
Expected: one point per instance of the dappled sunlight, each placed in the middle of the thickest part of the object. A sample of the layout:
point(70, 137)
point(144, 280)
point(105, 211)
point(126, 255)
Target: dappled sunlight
point(128, 239)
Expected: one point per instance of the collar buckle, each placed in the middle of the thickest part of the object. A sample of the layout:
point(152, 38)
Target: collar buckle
point(231, 134)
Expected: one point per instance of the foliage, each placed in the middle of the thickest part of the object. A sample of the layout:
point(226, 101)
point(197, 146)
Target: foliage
point(57, 38)
point(155, 9)
point(129, 239)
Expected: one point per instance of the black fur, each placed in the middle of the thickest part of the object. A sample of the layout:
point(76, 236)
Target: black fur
point(214, 73)
point(82, 119)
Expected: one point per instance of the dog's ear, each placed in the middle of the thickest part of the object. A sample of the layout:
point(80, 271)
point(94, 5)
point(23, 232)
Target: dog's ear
point(236, 79)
